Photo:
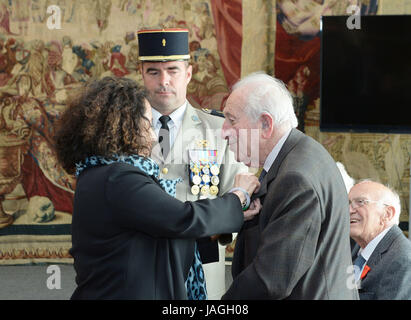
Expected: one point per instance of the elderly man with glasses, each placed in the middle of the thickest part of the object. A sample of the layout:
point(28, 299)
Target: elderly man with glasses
point(382, 254)
point(298, 246)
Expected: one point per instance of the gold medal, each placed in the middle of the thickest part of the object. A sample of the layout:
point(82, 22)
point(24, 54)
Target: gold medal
point(195, 189)
point(206, 178)
point(214, 169)
point(215, 180)
point(196, 179)
point(213, 190)
point(205, 190)
point(195, 170)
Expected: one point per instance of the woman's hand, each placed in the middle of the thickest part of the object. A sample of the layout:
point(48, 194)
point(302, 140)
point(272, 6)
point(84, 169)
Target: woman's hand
point(255, 208)
point(248, 181)
point(244, 186)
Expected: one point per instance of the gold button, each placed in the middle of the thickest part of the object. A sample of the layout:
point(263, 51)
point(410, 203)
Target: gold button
point(214, 190)
point(195, 189)
point(164, 171)
point(205, 190)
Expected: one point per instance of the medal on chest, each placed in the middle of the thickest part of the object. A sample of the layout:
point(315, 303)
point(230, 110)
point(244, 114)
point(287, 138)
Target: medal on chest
point(204, 170)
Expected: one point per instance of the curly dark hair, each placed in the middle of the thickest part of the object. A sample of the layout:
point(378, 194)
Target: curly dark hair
point(105, 118)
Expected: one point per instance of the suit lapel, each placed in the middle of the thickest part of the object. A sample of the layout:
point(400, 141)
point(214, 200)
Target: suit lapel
point(378, 252)
point(289, 144)
point(261, 192)
point(383, 246)
point(250, 229)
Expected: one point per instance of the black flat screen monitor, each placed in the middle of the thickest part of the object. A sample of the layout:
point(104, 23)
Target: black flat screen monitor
point(366, 75)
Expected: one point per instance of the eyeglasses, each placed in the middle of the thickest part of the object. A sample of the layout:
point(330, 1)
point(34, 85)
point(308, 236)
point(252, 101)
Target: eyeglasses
point(357, 203)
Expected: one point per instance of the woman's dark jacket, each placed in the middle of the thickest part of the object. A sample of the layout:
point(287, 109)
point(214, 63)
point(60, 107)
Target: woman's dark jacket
point(131, 240)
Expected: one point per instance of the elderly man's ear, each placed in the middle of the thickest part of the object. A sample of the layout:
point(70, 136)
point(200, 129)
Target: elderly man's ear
point(388, 214)
point(267, 125)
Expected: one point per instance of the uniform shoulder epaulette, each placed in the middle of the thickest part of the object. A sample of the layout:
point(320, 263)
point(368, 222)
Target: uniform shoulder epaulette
point(213, 112)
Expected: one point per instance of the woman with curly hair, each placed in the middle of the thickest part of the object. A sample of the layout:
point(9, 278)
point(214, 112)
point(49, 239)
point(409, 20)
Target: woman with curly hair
point(131, 239)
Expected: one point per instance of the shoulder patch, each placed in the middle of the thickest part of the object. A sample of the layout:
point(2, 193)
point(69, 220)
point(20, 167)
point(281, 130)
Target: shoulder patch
point(213, 112)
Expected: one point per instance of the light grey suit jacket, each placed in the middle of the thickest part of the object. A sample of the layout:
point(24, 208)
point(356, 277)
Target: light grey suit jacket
point(389, 277)
point(298, 247)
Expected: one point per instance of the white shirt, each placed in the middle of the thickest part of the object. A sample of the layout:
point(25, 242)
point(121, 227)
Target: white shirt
point(174, 124)
point(369, 249)
point(276, 150)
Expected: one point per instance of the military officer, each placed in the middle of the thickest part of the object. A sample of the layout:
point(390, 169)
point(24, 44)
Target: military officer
point(190, 145)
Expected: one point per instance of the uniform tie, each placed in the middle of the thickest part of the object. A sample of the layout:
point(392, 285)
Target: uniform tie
point(164, 135)
point(359, 262)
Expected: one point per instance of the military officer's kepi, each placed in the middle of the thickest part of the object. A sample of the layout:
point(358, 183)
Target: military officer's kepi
point(163, 45)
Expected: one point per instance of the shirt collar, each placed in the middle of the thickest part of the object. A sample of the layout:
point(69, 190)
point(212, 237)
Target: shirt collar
point(176, 116)
point(369, 249)
point(276, 150)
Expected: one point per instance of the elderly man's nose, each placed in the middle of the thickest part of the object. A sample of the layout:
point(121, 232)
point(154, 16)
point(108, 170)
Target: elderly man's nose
point(351, 209)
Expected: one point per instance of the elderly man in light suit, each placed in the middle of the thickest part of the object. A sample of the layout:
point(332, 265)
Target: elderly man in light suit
point(166, 74)
point(382, 255)
point(298, 246)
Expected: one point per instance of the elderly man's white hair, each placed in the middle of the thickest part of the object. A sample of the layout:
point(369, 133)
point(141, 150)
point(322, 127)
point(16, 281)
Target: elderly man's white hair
point(266, 94)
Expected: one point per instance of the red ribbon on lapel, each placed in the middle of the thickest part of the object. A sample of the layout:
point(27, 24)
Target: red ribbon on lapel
point(365, 271)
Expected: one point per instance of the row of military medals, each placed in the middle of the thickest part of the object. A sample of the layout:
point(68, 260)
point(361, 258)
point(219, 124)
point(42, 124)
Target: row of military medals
point(204, 172)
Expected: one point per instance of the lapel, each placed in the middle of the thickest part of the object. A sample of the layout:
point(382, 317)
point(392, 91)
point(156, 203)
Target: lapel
point(383, 246)
point(292, 140)
point(378, 252)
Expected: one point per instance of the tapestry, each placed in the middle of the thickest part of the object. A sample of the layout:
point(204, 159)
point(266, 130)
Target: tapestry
point(47, 49)
point(298, 44)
